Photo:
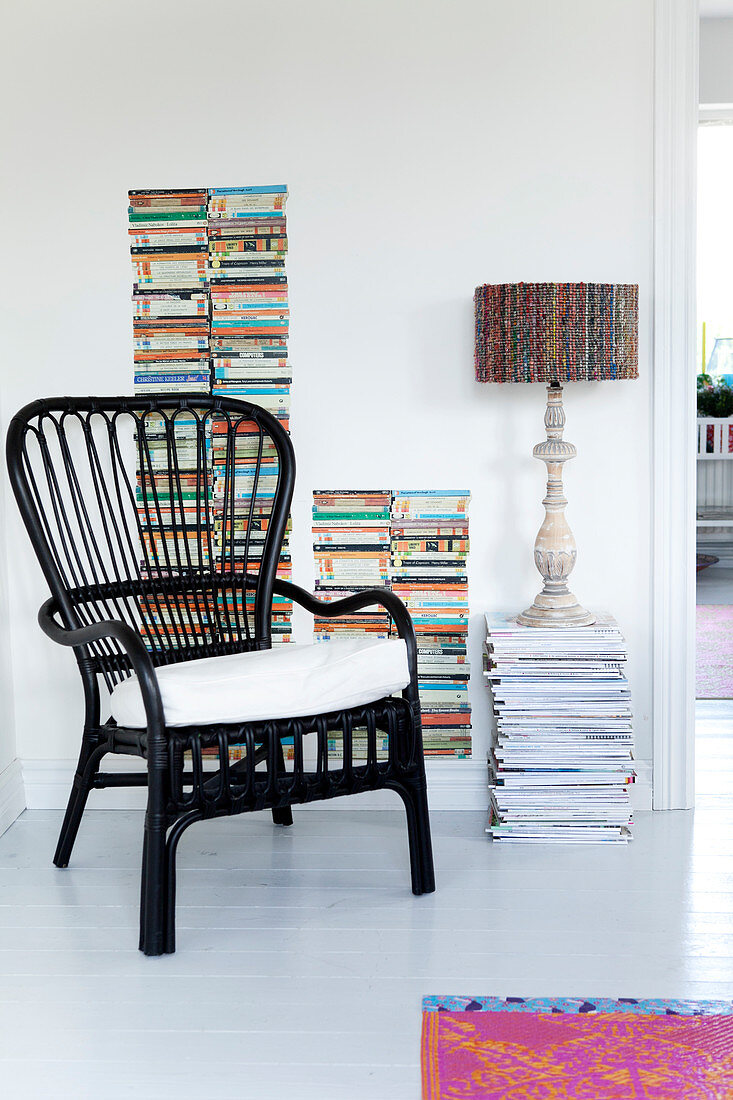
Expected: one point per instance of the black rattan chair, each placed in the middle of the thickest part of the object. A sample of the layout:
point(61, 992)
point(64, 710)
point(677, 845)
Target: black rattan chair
point(159, 551)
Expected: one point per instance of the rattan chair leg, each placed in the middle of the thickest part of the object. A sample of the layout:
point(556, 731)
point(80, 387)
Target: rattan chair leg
point(153, 894)
point(90, 757)
point(415, 797)
point(72, 820)
point(174, 836)
point(283, 815)
point(170, 887)
point(153, 889)
point(86, 770)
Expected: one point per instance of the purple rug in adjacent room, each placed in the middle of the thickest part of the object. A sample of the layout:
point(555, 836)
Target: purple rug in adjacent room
point(714, 645)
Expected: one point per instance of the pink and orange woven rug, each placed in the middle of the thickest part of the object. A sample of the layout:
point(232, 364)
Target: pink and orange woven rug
point(515, 1048)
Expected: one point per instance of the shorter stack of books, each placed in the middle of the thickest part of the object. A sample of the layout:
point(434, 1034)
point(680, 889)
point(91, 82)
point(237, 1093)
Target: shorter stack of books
point(561, 759)
point(351, 551)
point(415, 543)
point(429, 550)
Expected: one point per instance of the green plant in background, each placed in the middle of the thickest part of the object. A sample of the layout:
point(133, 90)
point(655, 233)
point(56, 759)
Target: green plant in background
point(714, 396)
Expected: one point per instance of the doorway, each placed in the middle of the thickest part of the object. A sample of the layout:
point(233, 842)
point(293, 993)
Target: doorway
point(714, 461)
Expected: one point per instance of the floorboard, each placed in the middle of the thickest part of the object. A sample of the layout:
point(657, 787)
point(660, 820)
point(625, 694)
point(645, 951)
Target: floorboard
point(303, 956)
point(715, 585)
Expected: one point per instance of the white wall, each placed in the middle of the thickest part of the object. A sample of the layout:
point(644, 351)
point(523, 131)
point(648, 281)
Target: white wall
point(716, 60)
point(428, 147)
point(12, 794)
point(7, 712)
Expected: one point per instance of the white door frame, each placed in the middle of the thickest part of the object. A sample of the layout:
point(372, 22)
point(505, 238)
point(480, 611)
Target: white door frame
point(673, 402)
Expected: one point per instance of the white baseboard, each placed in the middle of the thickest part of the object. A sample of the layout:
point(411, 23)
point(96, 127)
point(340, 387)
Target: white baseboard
point(452, 785)
point(641, 792)
point(12, 795)
point(48, 785)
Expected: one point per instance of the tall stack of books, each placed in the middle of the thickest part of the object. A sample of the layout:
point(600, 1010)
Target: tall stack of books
point(169, 252)
point(209, 280)
point(429, 548)
point(351, 550)
point(169, 504)
point(416, 544)
point(561, 761)
point(168, 247)
point(249, 334)
point(249, 295)
point(240, 540)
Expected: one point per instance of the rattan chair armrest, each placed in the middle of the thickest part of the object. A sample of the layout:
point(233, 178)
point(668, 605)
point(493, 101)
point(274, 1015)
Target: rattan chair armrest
point(130, 641)
point(349, 604)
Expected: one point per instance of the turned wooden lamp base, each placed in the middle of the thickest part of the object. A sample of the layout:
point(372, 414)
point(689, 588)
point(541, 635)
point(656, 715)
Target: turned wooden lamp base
point(554, 549)
point(550, 610)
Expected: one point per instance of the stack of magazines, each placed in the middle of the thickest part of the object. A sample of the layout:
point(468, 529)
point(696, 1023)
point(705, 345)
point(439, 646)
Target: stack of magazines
point(561, 760)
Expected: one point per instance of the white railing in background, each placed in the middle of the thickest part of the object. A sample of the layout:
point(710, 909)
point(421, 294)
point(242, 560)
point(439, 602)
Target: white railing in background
point(715, 437)
point(714, 481)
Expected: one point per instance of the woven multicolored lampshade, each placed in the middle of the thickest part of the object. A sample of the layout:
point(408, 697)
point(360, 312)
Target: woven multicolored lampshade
point(556, 332)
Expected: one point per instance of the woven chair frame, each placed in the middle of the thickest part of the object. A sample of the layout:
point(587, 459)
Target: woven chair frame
point(155, 559)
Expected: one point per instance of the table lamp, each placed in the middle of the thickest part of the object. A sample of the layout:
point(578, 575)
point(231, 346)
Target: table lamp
point(556, 333)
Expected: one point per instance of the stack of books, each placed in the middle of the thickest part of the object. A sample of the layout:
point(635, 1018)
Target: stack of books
point(209, 280)
point(561, 760)
point(174, 622)
point(429, 548)
point(239, 553)
point(249, 333)
point(416, 544)
point(240, 538)
point(169, 251)
point(249, 295)
point(168, 247)
point(351, 551)
point(170, 500)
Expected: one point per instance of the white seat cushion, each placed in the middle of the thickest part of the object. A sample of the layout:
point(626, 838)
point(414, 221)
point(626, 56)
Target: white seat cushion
point(289, 681)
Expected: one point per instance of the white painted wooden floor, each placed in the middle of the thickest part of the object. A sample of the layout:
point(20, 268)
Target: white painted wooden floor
point(715, 585)
point(302, 956)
